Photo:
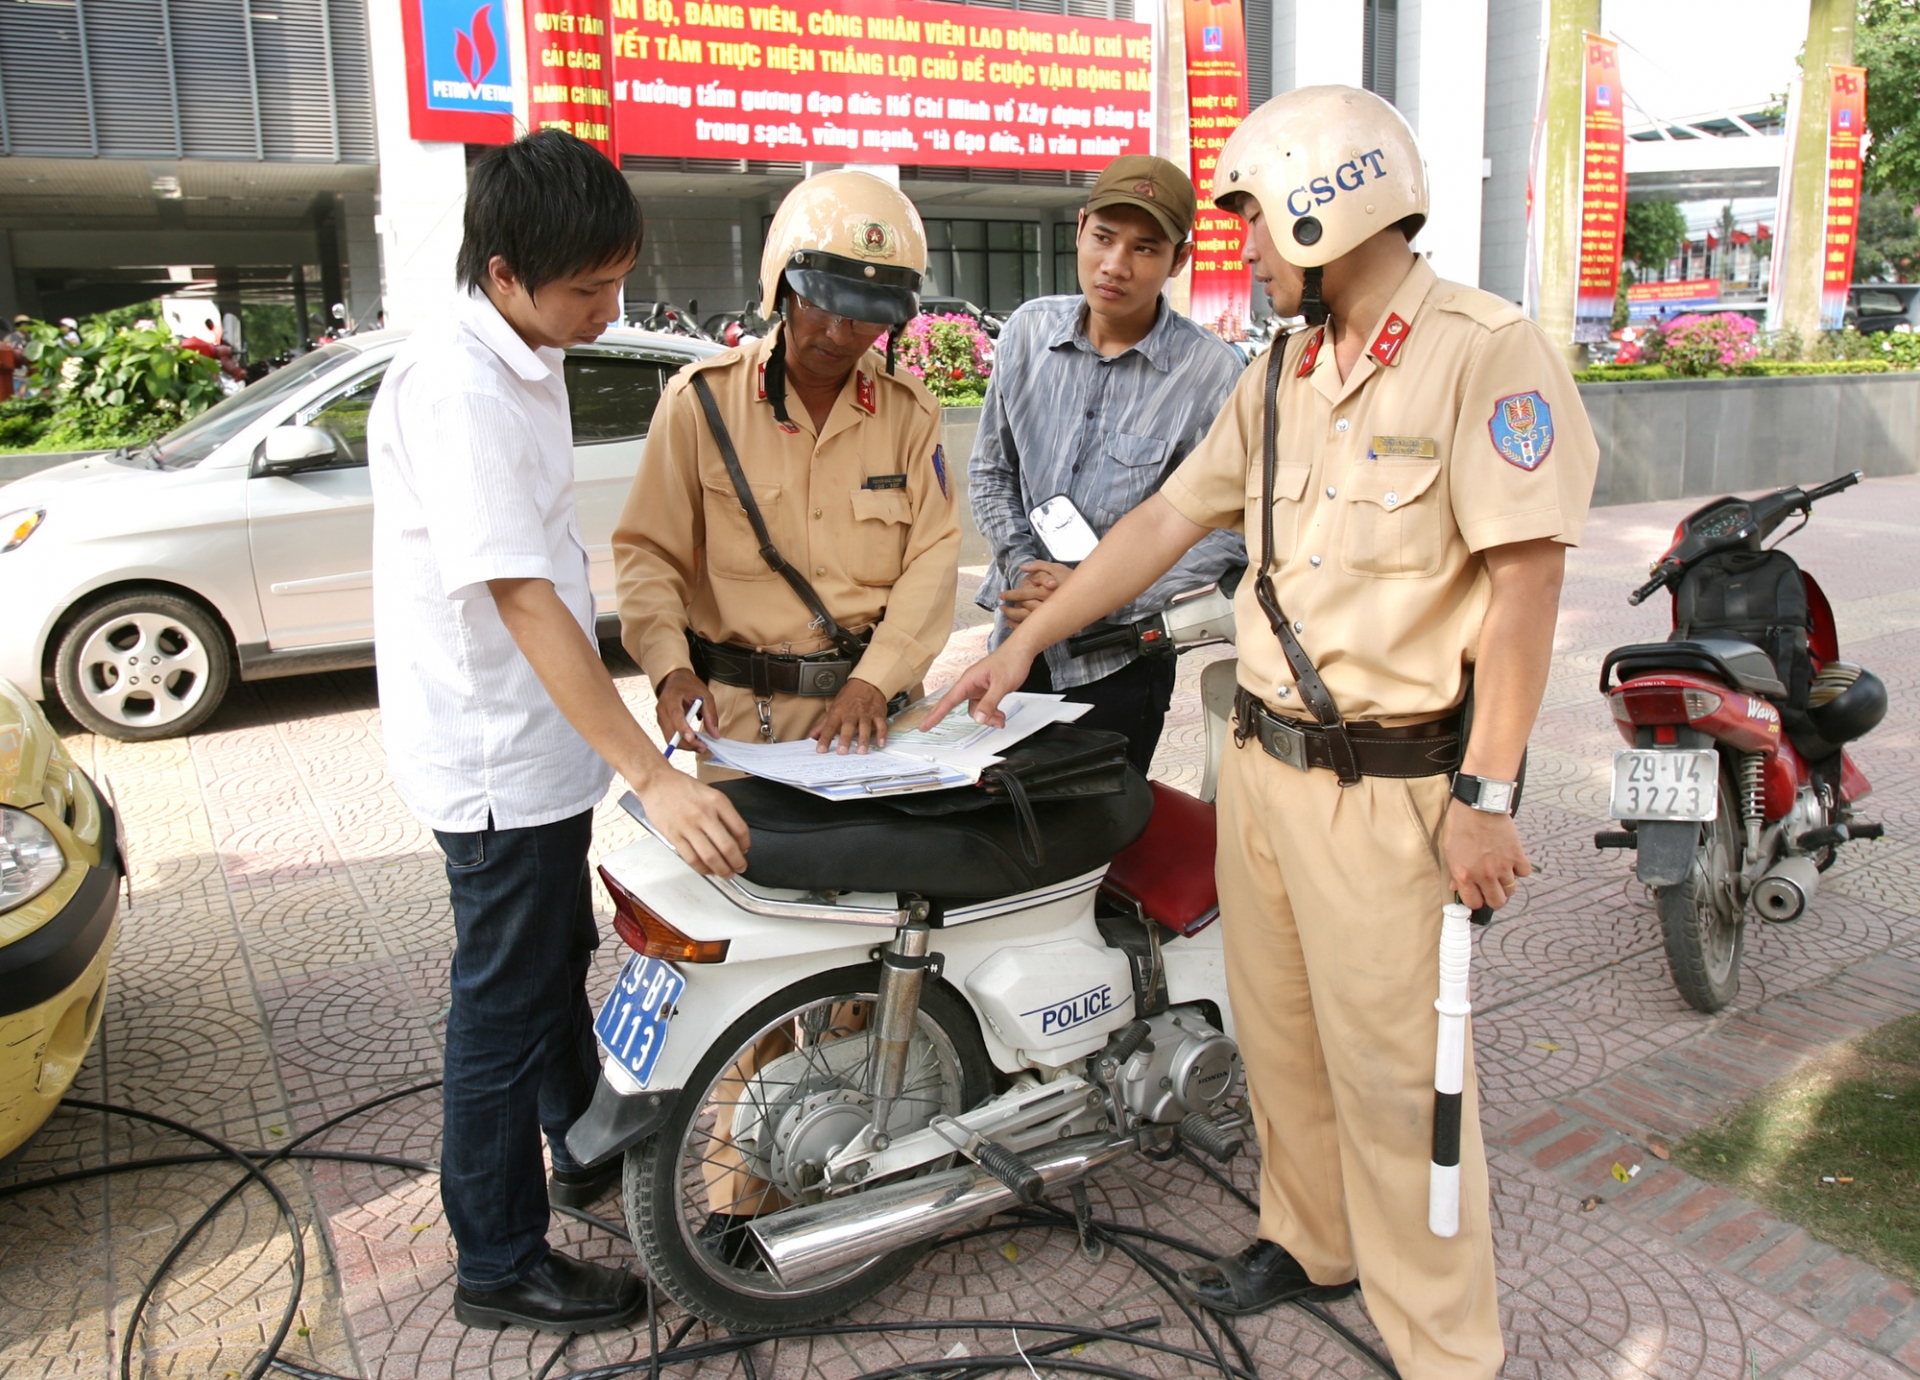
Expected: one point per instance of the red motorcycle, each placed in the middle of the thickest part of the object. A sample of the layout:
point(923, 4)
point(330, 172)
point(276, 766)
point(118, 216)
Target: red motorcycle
point(1736, 789)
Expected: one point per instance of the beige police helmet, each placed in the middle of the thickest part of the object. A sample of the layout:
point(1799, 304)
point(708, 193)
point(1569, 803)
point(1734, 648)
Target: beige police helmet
point(1330, 165)
point(849, 243)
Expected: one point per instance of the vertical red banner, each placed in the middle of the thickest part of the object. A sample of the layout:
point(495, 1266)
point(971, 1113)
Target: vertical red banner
point(1846, 122)
point(1603, 193)
point(570, 69)
point(1216, 103)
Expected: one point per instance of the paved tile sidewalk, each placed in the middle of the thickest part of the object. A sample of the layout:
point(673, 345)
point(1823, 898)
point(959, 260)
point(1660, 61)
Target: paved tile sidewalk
point(284, 958)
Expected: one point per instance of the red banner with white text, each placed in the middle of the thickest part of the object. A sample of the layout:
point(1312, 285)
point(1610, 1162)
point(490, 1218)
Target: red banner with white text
point(1216, 103)
point(1846, 122)
point(1603, 193)
point(876, 81)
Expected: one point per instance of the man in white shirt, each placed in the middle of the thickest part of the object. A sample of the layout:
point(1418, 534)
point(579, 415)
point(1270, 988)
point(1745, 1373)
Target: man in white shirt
point(501, 723)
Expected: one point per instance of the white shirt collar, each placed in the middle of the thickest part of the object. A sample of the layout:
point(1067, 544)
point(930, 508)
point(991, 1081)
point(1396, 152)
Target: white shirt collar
point(477, 313)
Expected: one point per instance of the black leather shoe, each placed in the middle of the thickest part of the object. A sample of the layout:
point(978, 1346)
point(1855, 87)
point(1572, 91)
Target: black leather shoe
point(725, 1235)
point(1255, 1280)
point(581, 1188)
point(560, 1294)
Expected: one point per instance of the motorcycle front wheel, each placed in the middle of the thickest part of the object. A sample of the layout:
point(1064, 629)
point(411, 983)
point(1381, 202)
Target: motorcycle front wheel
point(787, 1085)
point(1703, 917)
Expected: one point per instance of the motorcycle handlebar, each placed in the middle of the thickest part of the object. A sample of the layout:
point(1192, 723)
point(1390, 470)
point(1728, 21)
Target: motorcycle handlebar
point(1832, 487)
point(1663, 574)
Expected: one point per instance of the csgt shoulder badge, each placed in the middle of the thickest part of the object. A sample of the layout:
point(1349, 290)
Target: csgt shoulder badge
point(940, 468)
point(1522, 429)
point(873, 239)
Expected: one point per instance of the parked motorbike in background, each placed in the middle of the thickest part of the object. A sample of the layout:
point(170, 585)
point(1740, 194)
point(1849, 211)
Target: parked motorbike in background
point(898, 1024)
point(1736, 788)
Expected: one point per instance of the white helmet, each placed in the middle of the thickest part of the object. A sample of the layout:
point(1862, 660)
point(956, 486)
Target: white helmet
point(1330, 165)
point(850, 243)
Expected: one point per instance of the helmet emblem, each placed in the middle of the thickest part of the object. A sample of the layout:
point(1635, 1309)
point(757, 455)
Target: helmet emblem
point(874, 239)
point(1143, 189)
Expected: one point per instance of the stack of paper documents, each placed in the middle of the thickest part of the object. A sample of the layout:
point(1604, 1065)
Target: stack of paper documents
point(915, 759)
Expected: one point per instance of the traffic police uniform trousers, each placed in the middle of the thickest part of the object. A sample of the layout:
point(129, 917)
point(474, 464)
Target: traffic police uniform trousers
point(1330, 900)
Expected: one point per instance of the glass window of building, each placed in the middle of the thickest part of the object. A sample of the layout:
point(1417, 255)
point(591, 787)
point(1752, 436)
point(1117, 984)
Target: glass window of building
point(1066, 258)
point(993, 264)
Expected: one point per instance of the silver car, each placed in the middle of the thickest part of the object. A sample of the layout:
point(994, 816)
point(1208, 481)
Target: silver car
point(137, 586)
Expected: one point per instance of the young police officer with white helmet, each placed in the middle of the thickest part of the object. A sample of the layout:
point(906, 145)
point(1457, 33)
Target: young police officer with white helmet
point(1409, 471)
point(807, 438)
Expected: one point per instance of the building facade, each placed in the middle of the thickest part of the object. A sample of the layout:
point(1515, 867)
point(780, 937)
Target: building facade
point(260, 150)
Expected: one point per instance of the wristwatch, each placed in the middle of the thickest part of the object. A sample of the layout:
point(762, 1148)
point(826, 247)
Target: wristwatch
point(1484, 793)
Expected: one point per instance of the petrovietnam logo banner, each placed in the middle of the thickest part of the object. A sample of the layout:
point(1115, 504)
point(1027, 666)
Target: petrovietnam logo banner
point(465, 49)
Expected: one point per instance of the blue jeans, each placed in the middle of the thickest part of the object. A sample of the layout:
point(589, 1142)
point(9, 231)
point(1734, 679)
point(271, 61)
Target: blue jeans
point(520, 1047)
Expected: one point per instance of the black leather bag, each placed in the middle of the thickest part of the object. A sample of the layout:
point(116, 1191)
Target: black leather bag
point(1060, 762)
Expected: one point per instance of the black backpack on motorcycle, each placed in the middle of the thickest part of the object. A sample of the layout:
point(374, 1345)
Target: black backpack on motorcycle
point(1757, 597)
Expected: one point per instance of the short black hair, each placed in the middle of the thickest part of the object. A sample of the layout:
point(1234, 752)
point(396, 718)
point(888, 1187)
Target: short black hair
point(552, 206)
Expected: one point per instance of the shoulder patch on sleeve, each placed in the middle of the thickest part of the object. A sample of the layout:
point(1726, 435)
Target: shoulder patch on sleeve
point(1483, 307)
point(1522, 429)
point(940, 469)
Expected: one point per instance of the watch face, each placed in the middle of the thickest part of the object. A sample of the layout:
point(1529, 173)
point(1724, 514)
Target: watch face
point(1495, 796)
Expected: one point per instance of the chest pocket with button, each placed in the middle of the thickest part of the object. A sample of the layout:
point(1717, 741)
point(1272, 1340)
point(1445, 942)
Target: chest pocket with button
point(1395, 523)
point(882, 519)
point(733, 551)
point(1289, 484)
point(1135, 465)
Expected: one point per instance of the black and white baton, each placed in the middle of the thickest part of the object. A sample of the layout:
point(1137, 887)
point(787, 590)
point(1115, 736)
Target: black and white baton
point(1449, 1070)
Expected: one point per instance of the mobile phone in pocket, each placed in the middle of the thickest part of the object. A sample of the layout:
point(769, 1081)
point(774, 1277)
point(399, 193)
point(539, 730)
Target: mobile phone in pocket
point(1068, 537)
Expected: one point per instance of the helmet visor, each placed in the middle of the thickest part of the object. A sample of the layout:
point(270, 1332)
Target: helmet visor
point(884, 295)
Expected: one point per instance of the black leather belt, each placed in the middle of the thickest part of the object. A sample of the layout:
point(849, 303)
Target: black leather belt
point(820, 675)
point(1429, 749)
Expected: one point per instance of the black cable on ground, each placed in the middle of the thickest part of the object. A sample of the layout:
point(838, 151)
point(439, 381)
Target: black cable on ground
point(255, 1163)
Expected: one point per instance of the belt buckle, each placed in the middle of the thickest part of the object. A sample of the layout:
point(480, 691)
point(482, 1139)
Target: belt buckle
point(819, 678)
point(1284, 741)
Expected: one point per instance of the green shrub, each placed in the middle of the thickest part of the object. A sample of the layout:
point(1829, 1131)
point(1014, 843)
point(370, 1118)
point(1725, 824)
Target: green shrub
point(1623, 373)
point(1774, 368)
point(22, 420)
point(1901, 349)
point(117, 384)
point(1847, 344)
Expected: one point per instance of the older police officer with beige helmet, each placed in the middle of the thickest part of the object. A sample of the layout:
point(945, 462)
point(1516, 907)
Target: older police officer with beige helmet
point(1409, 470)
point(837, 456)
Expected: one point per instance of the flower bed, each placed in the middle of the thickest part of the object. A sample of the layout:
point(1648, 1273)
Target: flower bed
point(950, 354)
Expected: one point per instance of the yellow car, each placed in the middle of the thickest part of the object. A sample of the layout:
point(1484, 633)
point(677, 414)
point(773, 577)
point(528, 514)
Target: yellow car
point(60, 871)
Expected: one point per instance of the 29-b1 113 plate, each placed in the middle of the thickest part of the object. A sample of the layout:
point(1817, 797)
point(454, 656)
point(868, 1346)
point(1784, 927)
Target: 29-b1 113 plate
point(1678, 784)
point(633, 1023)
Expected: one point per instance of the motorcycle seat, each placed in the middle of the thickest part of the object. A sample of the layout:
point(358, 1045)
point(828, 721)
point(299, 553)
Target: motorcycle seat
point(1166, 874)
point(804, 843)
point(1741, 664)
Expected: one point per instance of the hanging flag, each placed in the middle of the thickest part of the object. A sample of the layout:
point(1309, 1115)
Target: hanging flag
point(570, 69)
point(1846, 124)
point(1603, 193)
point(1216, 103)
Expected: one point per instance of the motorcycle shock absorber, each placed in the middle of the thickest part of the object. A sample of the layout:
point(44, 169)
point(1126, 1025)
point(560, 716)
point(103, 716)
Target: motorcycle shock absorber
point(903, 972)
point(1753, 797)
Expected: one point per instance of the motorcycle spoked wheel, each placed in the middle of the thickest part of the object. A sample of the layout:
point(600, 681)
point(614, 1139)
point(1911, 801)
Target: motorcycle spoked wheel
point(1703, 918)
point(674, 1177)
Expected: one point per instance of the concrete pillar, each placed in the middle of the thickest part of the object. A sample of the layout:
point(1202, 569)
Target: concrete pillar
point(1558, 202)
point(362, 249)
point(1442, 84)
point(9, 290)
point(1282, 70)
point(1829, 39)
point(1329, 42)
point(423, 188)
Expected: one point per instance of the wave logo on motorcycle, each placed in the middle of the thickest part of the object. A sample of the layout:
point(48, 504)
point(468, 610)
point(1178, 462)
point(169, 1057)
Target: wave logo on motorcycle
point(1736, 788)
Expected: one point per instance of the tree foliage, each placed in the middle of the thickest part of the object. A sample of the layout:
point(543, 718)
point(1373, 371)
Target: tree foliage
point(1655, 231)
point(1887, 44)
point(1889, 243)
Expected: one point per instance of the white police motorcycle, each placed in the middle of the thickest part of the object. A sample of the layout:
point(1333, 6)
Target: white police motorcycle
point(897, 1025)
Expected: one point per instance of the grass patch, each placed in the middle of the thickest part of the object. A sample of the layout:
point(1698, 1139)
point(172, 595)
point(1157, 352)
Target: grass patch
point(1834, 1147)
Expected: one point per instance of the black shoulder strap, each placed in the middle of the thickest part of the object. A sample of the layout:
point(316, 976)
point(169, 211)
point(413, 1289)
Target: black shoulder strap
point(848, 644)
point(1313, 690)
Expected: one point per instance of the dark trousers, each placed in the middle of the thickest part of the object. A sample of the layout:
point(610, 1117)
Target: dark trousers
point(1133, 700)
point(520, 1048)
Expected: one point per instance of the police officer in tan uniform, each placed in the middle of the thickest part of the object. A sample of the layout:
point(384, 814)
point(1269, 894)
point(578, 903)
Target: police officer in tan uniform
point(841, 458)
point(1429, 465)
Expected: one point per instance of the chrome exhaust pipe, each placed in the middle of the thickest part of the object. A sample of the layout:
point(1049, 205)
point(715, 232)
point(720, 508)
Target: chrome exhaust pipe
point(804, 1243)
point(1783, 892)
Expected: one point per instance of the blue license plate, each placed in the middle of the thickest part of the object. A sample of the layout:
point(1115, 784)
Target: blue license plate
point(633, 1024)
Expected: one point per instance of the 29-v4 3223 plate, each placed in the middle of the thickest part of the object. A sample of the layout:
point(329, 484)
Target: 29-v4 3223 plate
point(1659, 784)
point(633, 1023)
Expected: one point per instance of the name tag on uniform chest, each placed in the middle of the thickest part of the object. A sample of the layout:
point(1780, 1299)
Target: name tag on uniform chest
point(885, 481)
point(1401, 447)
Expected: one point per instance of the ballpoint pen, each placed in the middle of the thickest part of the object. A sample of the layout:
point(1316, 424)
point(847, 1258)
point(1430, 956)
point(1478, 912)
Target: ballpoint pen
point(692, 710)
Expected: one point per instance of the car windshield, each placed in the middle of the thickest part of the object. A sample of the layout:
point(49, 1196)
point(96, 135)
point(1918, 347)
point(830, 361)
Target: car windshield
point(199, 438)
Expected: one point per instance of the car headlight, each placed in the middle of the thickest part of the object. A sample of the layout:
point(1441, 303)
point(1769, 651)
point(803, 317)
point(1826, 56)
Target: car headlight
point(18, 525)
point(30, 858)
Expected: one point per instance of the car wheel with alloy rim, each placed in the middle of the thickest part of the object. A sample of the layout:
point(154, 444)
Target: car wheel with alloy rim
point(143, 665)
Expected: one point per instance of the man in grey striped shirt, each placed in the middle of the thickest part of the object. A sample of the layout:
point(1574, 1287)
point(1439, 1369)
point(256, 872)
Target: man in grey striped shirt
point(1099, 397)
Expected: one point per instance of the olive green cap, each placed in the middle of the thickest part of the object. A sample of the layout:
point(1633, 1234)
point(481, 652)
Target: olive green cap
point(1154, 185)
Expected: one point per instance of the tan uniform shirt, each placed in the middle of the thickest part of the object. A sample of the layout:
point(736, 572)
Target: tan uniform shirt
point(1459, 429)
point(865, 510)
